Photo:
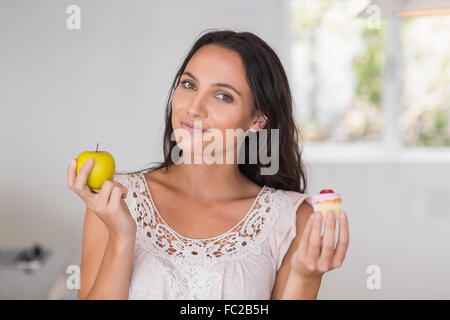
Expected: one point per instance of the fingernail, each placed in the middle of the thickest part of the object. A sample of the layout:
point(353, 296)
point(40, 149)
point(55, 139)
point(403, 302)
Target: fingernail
point(72, 162)
point(319, 216)
point(330, 215)
point(343, 215)
point(90, 161)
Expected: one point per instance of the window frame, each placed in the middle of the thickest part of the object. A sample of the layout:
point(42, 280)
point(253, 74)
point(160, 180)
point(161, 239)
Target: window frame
point(390, 147)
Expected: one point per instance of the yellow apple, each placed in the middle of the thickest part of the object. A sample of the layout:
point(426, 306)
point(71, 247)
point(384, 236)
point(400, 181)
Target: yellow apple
point(103, 169)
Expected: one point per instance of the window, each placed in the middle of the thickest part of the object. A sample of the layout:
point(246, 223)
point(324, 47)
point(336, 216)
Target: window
point(343, 88)
point(425, 110)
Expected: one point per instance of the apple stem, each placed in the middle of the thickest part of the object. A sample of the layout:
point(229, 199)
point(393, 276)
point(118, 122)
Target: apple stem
point(96, 148)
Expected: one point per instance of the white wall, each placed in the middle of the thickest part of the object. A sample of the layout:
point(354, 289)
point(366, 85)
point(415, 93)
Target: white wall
point(399, 220)
point(63, 91)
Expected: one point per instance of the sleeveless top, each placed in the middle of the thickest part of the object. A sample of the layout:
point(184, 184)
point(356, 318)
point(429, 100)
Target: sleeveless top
point(239, 264)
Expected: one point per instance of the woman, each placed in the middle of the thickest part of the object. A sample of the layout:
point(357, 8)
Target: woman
point(202, 230)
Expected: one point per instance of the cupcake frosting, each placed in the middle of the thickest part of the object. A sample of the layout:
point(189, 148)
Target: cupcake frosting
point(325, 196)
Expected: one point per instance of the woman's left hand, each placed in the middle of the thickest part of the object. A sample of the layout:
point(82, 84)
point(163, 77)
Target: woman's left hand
point(315, 254)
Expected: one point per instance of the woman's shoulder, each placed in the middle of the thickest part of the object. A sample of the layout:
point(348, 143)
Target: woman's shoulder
point(126, 177)
point(293, 199)
point(140, 177)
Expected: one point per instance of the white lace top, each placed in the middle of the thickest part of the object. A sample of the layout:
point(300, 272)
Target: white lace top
point(239, 264)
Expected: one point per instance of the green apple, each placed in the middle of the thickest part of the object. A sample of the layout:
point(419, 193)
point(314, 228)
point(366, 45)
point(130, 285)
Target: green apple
point(103, 169)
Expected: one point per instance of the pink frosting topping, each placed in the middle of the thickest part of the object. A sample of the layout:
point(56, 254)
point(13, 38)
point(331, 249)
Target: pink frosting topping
point(325, 196)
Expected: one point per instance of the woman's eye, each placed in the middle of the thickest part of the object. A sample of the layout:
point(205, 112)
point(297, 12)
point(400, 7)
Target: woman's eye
point(184, 82)
point(227, 98)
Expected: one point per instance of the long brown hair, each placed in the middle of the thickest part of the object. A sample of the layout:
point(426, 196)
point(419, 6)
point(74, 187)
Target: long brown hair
point(270, 88)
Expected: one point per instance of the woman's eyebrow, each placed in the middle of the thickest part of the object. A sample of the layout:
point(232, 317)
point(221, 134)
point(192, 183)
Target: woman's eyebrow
point(213, 84)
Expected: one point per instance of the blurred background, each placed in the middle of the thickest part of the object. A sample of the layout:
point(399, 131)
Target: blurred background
point(371, 86)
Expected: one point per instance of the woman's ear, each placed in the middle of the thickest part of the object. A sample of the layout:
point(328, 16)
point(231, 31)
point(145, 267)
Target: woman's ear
point(259, 123)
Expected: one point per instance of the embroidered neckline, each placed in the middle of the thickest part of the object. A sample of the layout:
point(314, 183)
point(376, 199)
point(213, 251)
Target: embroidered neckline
point(245, 238)
point(252, 208)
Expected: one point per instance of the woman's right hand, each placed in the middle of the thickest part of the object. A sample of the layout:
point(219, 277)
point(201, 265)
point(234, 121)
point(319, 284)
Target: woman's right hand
point(108, 202)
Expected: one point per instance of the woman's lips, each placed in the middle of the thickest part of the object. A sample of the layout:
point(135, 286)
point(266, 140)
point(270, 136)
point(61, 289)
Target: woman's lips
point(191, 128)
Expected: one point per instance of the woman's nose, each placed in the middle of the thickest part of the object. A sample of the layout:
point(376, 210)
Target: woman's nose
point(197, 108)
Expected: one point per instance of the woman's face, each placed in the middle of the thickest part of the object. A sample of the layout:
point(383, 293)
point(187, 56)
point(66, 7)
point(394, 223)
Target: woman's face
point(212, 92)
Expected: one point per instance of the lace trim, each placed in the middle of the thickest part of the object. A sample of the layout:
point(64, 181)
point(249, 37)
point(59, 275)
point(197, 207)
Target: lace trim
point(244, 238)
point(191, 281)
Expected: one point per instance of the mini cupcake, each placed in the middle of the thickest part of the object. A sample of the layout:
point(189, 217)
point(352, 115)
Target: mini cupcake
point(327, 200)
